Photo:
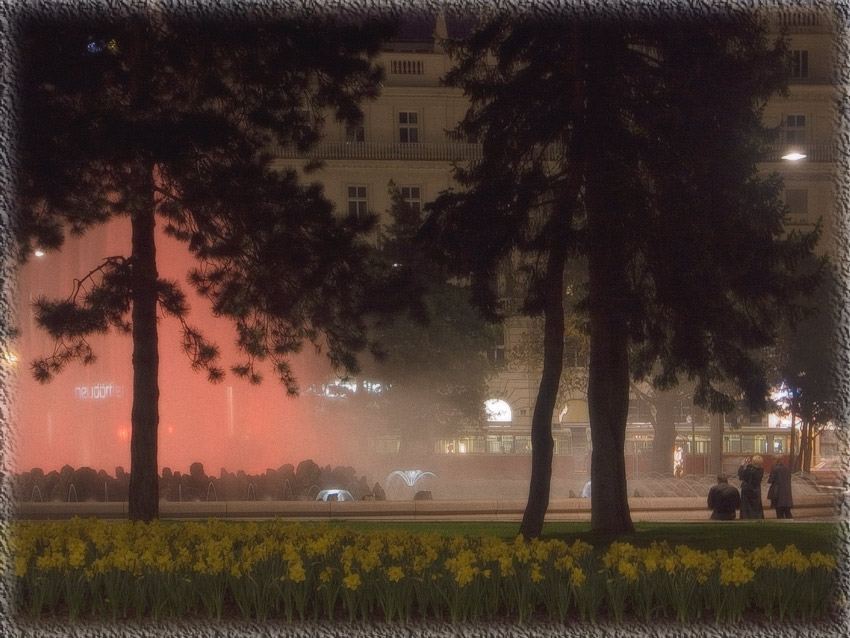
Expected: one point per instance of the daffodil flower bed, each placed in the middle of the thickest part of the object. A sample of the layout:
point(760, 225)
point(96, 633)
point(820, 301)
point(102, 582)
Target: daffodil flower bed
point(300, 572)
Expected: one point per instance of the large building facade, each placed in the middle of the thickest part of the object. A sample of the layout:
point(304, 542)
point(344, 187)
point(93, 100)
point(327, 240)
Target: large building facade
point(82, 418)
point(404, 140)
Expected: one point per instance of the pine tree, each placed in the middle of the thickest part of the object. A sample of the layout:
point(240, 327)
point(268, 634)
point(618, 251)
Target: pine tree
point(630, 140)
point(170, 118)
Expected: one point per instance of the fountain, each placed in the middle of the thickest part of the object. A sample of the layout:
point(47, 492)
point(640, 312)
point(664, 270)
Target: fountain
point(410, 477)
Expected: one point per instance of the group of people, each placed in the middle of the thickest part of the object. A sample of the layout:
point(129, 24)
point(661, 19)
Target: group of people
point(725, 500)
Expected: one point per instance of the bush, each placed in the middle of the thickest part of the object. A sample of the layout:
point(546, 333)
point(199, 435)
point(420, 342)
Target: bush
point(284, 483)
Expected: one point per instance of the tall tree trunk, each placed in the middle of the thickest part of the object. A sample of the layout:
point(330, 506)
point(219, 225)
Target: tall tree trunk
point(608, 374)
point(608, 401)
point(793, 465)
point(542, 444)
point(664, 431)
point(716, 420)
point(144, 484)
point(806, 446)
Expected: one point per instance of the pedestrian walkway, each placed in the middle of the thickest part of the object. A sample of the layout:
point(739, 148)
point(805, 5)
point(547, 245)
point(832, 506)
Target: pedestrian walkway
point(819, 506)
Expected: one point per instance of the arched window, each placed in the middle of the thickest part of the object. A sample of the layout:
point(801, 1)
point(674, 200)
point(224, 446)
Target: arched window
point(498, 411)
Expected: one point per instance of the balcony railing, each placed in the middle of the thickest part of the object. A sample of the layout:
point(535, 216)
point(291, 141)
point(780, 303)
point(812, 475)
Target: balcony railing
point(813, 152)
point(446, 152)
point(798, 18)
point(407, 67)
point(449, 152)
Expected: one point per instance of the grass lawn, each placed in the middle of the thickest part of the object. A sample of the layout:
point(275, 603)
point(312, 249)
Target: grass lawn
point(806, 536)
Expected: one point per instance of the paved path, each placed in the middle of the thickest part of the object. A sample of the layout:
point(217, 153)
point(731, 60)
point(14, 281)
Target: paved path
point(824, 506)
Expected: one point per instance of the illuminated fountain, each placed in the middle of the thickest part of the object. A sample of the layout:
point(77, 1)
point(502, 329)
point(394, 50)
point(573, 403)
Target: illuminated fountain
point(410, 477)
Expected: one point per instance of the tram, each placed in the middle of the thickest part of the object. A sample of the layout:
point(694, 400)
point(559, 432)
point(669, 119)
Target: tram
point(498, 452)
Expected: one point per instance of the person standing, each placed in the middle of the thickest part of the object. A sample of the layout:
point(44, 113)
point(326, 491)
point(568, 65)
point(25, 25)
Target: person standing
point(751, 473)
point(678, 462)
point(779, 492)
point(723, 499)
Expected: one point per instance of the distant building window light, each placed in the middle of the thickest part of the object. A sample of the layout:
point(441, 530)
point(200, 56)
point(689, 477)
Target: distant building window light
point(498, 411)
point(408, 127)
point(372, 387)
point(339, 389)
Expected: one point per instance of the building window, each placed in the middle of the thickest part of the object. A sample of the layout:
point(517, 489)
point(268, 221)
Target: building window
point(522, 444)
point(357, 203)
point(355, 133)
point(799, 64)
point(797, 200)
point(563, 444)
point(498, 411)
point(576, 354)
point(496, 352)
point(408, 127)
point(795, 129)
point(684, 411)
point(779, 444)
point(639, 412)
point(732, 443)
point(412, 196)
point(462, 445)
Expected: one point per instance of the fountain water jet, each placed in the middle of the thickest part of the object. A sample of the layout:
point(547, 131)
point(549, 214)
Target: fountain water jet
point(410, 477)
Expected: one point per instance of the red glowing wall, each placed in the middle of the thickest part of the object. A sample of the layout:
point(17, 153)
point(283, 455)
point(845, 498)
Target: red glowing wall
point(82, 417)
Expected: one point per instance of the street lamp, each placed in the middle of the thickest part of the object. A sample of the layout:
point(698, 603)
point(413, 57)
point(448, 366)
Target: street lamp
point(794, 156)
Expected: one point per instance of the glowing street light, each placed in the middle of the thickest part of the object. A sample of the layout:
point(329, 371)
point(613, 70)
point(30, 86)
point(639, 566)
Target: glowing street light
point(38, 252)
point(793, 156)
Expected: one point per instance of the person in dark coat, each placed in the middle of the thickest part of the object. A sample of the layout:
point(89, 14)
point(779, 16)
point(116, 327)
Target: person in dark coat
point(780, 490)
point(723, 499)
point(751, 473)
